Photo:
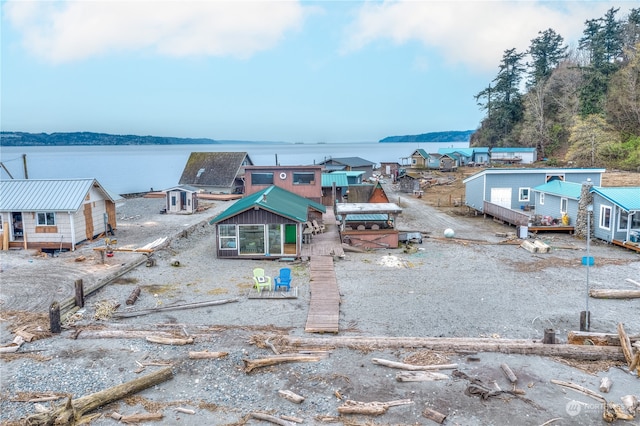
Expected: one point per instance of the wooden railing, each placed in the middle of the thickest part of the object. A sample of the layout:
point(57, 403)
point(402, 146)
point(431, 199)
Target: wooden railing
point(513, 217)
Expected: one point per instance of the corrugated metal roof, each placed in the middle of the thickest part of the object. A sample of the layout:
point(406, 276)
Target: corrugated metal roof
point(54, 195)
point(276, 200)
point(627, 197)
point(340, 178)
point(558, 187)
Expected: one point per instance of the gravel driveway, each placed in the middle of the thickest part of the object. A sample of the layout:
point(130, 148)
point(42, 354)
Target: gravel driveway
point(474, 285)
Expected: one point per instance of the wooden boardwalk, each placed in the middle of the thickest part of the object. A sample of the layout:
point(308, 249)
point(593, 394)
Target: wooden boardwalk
point(326, 243)
point(324, 306)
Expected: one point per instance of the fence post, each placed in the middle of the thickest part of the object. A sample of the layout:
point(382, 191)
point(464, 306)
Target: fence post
point(54, 318)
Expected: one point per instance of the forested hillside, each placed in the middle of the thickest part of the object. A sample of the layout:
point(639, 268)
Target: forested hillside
point(576, 107)
point(450, 136)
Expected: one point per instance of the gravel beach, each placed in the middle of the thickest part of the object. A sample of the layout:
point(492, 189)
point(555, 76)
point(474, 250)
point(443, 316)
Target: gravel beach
point(474, 285)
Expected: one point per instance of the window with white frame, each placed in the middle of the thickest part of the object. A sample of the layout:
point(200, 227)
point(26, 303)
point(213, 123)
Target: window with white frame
point(564, 203)
point(542, 198)
point(46, 218)
point(227, 237)
point(605, 217)
point(523, 194)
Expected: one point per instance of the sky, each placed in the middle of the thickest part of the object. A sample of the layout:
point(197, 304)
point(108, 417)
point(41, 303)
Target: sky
point(289, 71)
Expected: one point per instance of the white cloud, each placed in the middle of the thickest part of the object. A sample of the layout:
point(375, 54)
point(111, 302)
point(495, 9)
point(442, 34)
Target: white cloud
point(74, 30)
point(473, 33)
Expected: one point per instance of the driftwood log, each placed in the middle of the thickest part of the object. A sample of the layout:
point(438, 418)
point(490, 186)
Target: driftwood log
point(133, 296)
point(420, 376)
point(411, 367)
point(252, 364)
point(374, 408)
point(134, 419)
point(614, 294)
point(610, 293)
point(170, 340)
point(270, 418)
point(291, 396)
point(507, 372)
point(605, 384)
point(463, 345)
point(206, 355)
point(172, 308)
point(580, 389)
point(73, 410)
point(598, 339)
point(434, 415)
point(626, 344)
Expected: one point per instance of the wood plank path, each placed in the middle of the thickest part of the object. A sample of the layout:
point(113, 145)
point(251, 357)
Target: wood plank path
point(326, 243)
point(324, 305)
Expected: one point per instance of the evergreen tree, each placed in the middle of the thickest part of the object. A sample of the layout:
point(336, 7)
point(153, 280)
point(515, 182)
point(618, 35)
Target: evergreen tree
point(546, 52)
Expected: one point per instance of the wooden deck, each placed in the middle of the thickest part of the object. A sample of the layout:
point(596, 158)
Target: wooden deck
point(324, 305)
point(628, 245)
point(326, 243)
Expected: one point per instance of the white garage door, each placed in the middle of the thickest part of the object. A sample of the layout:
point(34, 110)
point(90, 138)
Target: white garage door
point(501, 197)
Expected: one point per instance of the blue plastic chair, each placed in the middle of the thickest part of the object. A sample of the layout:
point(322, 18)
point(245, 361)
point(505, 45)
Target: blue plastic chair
point(284, 280)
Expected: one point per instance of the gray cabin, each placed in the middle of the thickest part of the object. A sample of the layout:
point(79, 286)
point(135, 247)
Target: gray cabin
point(616, 215)
point(511, 188)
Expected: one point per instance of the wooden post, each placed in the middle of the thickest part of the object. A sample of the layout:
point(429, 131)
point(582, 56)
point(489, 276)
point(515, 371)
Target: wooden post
point(585, 320)
point(54, 318)
point(79, 293)
point(549, 336)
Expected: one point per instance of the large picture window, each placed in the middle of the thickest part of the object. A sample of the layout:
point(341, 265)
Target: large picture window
point(303, 178)
point(251, 239)
point(46, 218)
point(605, 217)
point(262, 178)
point(624, 221)
point(227, 235)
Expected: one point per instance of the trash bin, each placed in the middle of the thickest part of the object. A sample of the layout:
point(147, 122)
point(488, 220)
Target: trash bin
point(524, 232)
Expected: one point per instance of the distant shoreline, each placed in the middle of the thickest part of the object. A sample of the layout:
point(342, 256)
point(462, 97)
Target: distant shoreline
point(104, 139)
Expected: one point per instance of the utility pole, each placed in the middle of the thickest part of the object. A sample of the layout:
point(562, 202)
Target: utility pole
point(24, 163)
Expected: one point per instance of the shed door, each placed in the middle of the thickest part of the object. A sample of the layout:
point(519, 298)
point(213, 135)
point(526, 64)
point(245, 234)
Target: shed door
point(88, 221)
point(501, 197)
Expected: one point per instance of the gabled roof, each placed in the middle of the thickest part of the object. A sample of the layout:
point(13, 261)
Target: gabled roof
point(627, 197)
point(560, 188)
point(340, 179)
point(349, 161)
point(353, 173)
point(276, 200)
point(186, 188)
point(52, 195)
point(517, 171)
point(421, 152)
point(465, 152)
point(213, 168)
point(361, 193)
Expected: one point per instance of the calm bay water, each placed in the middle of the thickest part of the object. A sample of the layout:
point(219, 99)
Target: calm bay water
point(138, 168)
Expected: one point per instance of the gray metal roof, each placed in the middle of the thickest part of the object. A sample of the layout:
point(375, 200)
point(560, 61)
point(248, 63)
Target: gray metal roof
point(53, 195)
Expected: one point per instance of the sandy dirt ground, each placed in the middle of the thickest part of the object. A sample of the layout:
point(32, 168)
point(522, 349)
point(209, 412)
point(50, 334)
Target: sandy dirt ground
point(479, 285)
